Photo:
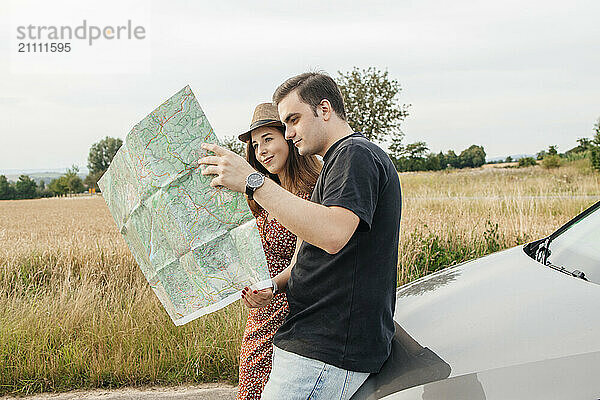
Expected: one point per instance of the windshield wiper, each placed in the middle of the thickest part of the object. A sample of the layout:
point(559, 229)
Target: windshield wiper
point(543, 252)
point(576, 273)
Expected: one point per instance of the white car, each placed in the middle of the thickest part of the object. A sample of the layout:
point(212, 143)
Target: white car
point(523, 323)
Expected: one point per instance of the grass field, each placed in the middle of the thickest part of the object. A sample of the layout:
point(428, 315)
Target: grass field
point(76, 312)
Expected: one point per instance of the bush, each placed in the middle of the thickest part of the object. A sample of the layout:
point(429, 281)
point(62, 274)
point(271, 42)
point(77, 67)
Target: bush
point(582, 155)
point(595, 158)
point(527, 162)
point(551, 161)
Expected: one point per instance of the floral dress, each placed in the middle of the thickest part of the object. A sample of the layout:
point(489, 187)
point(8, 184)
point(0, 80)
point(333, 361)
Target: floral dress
point(257, 343)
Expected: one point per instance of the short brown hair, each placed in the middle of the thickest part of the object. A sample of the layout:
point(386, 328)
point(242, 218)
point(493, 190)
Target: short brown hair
point(312, 88)
point(302, 171)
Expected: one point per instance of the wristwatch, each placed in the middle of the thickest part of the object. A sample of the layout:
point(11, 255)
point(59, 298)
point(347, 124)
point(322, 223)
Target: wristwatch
point(275, 287)
point(253, 182)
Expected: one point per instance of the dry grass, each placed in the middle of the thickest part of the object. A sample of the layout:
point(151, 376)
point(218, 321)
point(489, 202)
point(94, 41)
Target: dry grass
point(76, 312)
point(453, 216)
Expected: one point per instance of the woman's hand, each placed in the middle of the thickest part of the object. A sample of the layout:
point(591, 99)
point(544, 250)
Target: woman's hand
point(257, 298)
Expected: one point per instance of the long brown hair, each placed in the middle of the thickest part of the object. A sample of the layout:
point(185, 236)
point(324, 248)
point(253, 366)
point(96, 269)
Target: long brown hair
point(301, 172)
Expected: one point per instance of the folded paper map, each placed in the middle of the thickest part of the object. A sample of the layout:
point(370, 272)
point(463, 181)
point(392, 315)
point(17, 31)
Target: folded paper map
point(197, 246)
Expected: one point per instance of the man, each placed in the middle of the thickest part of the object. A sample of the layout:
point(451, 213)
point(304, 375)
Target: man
point(341, 283)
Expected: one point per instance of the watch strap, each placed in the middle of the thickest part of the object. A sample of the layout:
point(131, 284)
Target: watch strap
point(249, 192)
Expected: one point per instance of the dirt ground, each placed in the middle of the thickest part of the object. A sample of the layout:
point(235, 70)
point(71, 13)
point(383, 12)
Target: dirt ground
point(196, 392)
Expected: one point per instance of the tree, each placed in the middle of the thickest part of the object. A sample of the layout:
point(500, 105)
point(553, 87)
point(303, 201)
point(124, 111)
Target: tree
point(59, 186)
point(434, 162)
point(42, 191)
point(452, 159)
point(527, 162)
point(25, 188)
point(412, 157)
point(234, 144)
point(6, 189)
point(443, 160)
point(100, 157)
point(509, 159)
point(595, 147)
point(551, 161)
point(396, 148)
point(584, 144)
point(416, 150)
point(472, 157)
point(595, 141)
point(92, 178)
point(73, 182)
point(552, 150)
point(595, 156)
point(371, 103)
point(70, 182)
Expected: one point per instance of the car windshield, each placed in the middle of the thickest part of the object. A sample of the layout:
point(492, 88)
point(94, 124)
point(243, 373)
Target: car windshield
point(578, 248)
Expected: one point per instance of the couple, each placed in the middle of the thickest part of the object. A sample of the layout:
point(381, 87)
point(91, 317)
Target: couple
point(340, 282)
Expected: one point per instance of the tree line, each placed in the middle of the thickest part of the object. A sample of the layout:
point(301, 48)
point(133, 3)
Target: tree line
point(27, 188)
point(415, 157)
point(373, 108)
point(99, 158)
point(24, 188)
point(371, 100)
point(587, 148)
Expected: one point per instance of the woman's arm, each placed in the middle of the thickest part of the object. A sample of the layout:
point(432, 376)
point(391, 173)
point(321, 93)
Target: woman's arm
point(261, 298)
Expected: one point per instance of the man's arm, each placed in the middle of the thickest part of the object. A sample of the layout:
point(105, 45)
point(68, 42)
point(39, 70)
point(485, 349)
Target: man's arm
point(328, 228)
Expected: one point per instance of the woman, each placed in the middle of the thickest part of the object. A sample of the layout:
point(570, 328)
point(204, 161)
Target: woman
point(269, 153)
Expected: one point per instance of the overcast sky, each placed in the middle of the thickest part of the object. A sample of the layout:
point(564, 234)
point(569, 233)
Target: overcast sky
point(513, 76)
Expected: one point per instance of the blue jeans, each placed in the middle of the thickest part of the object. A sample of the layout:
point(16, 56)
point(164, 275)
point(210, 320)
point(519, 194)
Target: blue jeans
point(294, 377)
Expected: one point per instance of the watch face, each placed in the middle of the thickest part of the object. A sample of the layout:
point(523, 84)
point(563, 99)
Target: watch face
point(255, 180)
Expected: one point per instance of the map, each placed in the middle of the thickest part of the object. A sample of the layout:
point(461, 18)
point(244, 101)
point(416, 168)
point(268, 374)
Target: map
point(197, 246)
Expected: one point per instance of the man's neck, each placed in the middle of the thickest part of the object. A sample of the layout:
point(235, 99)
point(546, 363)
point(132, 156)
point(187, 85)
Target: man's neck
point(338, 132)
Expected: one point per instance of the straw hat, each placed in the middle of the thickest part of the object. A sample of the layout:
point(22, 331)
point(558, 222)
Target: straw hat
point(265, 114)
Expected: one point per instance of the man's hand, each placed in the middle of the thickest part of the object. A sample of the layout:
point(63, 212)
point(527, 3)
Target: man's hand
point(257, 298)
point(230, 168)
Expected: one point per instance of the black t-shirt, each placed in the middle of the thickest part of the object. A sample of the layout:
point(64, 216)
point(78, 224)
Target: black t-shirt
point(341, 305)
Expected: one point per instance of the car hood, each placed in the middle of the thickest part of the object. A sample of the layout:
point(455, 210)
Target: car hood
point(501, 310)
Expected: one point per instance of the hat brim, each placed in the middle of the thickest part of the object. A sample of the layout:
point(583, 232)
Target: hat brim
point(244, 137)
